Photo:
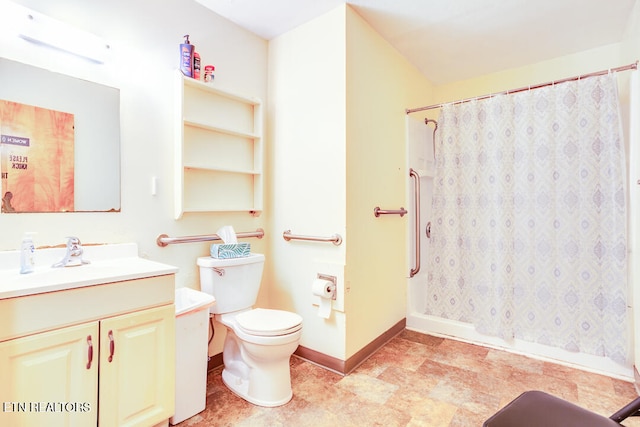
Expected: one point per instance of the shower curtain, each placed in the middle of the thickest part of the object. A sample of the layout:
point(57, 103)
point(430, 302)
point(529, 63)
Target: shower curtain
point(529, 218)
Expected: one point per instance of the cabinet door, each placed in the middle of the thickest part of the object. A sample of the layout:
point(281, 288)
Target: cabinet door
point(137, 368)
point(50, 379)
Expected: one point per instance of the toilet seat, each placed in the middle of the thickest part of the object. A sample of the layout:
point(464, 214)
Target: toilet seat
point(264, 322)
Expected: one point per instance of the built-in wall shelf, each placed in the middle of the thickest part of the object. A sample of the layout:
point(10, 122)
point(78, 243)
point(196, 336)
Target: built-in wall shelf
point(219, 150)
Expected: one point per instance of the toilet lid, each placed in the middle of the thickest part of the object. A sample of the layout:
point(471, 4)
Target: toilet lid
point(266, 322)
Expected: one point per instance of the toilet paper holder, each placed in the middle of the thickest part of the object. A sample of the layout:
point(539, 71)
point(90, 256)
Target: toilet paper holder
point(332, 279)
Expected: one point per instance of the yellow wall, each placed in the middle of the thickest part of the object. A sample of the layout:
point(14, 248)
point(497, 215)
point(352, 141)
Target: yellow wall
point(541, 72)
point(381, 84)
point(337, 94)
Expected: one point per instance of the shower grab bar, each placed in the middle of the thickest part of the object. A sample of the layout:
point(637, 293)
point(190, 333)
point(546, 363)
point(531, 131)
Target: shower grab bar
point(336, 239)
point(377, 211)
point(416, 200)
point(164, 240)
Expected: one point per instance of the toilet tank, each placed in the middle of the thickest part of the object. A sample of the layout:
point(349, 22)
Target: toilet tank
point(233, 282)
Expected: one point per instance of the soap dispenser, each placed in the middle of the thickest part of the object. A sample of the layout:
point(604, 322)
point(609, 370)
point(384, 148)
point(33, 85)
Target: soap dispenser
point(27, 252)
point(186, 57)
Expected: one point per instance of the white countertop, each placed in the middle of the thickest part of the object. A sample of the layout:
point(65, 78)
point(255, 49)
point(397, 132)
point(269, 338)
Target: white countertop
point(108, 263)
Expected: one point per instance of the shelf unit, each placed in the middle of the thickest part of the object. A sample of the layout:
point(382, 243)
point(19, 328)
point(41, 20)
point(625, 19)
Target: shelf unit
point(219, 150)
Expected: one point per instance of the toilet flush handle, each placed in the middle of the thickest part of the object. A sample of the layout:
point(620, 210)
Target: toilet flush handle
point(220, 271)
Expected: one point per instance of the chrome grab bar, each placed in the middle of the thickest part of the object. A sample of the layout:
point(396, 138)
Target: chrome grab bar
point(416, 201)
point(377, 211)
point(164, 240)
point(336, 239)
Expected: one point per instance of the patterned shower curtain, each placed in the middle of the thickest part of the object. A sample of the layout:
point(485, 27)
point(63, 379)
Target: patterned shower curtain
point(529, 235)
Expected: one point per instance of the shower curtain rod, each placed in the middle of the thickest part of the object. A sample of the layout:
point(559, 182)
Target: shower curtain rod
point(633, 66)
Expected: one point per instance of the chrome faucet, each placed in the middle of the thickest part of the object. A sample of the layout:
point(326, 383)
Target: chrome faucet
point(73, 256)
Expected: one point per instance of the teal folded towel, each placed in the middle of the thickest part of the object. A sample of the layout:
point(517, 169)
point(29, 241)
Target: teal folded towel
point(230, 250)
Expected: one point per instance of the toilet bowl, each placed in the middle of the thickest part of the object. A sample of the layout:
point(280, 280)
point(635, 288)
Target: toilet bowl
point(256, 355)
point(259, 342)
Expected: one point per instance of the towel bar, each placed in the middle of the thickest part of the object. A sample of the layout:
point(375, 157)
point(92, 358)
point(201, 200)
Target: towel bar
point(164, 240)
point(336, 239)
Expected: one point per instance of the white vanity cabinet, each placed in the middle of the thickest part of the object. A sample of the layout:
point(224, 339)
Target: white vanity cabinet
point(99, 355)
point(218, 150)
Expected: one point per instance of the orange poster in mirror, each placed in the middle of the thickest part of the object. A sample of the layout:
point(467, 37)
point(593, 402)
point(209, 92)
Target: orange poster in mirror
point(36, 158)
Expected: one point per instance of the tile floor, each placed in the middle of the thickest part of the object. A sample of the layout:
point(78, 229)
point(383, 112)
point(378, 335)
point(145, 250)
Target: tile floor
point(414, 380)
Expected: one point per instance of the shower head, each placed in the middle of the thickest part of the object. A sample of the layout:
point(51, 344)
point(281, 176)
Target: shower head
point(426, 122)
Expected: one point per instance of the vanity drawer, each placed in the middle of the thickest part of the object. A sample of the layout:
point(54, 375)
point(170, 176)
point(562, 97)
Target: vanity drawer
point(31, 314)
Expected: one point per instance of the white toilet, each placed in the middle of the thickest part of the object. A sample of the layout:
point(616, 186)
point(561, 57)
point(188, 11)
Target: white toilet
point(259, 341)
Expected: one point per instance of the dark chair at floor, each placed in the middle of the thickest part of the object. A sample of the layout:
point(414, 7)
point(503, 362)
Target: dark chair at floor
point(539, 409)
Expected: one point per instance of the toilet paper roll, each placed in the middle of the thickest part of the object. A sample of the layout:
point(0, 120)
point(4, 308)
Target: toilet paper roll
point(325, 290)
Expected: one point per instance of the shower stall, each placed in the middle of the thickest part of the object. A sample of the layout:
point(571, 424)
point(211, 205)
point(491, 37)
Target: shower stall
point(421, 136)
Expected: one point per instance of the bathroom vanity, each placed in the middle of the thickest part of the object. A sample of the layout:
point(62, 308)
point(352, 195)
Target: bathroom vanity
point(87, 345)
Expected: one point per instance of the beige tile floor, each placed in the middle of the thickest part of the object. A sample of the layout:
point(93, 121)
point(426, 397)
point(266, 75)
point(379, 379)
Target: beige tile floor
point(414, 380)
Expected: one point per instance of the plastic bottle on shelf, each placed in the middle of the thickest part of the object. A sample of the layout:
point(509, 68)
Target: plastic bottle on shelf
point(208, 72)
point(186, 57)
point(196, 65)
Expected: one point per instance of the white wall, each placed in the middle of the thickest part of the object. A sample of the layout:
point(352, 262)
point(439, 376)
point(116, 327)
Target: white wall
point(145, 37)
point(306, 158)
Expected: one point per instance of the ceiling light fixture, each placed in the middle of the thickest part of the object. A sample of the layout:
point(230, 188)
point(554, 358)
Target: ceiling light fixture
point(43, 30)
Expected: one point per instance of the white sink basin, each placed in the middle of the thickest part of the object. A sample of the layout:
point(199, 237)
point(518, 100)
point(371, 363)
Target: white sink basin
point(108, 263)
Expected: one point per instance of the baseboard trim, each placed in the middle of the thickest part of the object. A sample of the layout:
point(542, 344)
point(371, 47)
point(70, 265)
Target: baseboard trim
point(345, 367)
point(214, 362)
point(328, 362)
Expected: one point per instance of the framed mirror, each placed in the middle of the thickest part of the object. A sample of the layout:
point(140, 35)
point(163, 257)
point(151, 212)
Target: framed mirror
point(59, 142)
